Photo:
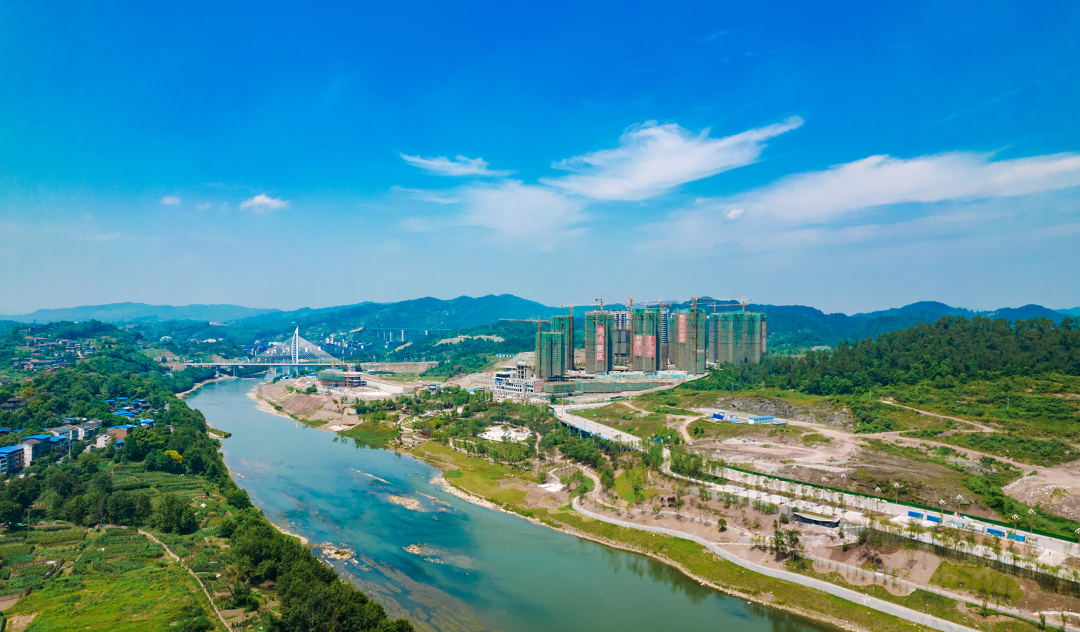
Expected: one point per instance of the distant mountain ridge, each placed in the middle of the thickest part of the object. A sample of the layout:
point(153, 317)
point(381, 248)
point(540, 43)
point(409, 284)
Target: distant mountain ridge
point(789, 326)
point(140, 312)
point(423, 313)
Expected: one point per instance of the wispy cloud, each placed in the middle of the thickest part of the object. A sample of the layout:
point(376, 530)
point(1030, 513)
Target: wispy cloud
point(203, 206)
point(437, 197)
point(881, 180)
point(870, 199)
point(518, 210)
point(459, 166)
point(263, 203)
point(653, 158)
point(170, 200)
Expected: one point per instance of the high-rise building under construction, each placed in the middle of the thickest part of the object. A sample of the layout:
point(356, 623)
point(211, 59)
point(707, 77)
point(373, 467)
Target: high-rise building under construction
point(736, 337)
point(646, 327)
point(687, 341)
point(551, 354)
point(599, 342)
point(565, 323)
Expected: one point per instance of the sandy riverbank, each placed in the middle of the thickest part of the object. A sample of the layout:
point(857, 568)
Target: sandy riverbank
point(289, 533)
point(202, 384)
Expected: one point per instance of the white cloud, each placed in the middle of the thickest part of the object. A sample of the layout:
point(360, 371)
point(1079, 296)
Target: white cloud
point(203, 206)
point(880, 180)
point(518, 210)
point(963, 191)
point(652, 159)
point(171, 200)
point(459, 166)
point(263, 203)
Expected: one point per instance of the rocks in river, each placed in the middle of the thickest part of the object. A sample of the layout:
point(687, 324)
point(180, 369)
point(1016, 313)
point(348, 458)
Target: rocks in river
point(419, 549)
point(334, 552)
point(406, 502)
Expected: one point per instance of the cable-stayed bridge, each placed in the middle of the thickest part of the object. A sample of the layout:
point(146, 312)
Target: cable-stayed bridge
point(294, 352)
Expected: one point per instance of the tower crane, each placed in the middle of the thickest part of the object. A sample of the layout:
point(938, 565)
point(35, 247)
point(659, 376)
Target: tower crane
point(536, 320)
point(743, 301)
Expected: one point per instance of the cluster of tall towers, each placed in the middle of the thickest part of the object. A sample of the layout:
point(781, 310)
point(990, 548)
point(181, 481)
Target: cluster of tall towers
point(650, 339)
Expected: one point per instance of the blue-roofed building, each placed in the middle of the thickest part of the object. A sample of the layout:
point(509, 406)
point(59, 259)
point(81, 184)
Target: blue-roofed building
point(11, 459)
point(5, 431)
point(35, 447)
point(68, 431)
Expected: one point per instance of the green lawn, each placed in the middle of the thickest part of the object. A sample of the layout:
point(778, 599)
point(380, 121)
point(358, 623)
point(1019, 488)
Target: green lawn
point(374, 435)
point(979, 580)
point(475, 474)
point(629, 420)
point(626, 491)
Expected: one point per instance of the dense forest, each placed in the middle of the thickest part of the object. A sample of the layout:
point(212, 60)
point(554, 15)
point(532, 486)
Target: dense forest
point(948, 351)
point(110, 486)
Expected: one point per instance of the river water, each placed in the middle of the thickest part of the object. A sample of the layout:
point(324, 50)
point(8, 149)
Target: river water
point(478, 569)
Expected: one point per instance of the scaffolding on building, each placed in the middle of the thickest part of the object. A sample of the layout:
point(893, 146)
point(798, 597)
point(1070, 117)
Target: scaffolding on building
point(736, 337)
point(599, 342)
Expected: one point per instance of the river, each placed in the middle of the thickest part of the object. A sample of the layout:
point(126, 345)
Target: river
point(478, 569)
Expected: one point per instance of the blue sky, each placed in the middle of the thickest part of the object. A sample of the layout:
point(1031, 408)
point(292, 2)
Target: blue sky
point(850, 156)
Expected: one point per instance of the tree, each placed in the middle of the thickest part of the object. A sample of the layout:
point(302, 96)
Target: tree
point(722, 524)
point(794, 542)
point(173, 515)
point(779, 541)
point(607, 479)
point(10, 512)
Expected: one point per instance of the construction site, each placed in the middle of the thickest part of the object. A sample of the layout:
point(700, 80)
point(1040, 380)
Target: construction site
point(633, 348)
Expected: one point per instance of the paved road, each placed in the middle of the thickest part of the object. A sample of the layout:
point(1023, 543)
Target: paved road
point(839, 591)
point(563, 414)
point(1055, 550)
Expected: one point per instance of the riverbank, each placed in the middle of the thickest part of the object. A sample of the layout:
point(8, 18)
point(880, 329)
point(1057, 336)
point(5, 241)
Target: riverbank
point(191, 390)
point(703, 566)
point(510, 490)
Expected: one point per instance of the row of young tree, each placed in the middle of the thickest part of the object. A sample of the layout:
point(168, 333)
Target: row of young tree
point(953, 347)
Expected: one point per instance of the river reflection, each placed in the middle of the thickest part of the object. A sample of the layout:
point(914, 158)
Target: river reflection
point(446, 564)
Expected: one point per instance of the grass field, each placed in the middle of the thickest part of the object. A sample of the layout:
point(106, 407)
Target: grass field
point(626, 491)
point(979, 580)
point(627, 419)
point(475, 474)
point(371, 434)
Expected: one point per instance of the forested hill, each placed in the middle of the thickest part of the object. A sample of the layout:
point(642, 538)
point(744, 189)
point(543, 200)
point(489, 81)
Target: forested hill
point(952, 348)
point(419, 314)
point(791, 328)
